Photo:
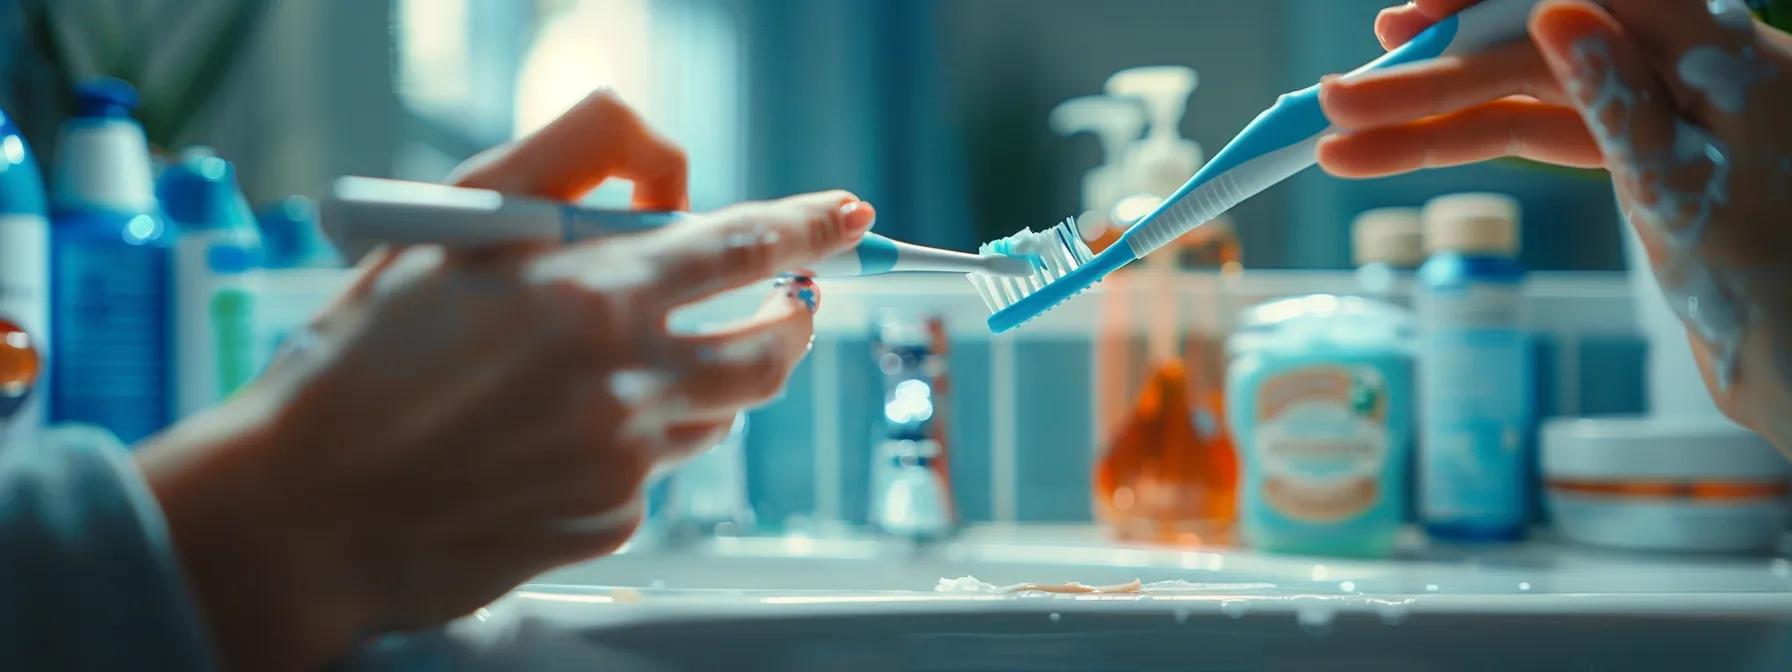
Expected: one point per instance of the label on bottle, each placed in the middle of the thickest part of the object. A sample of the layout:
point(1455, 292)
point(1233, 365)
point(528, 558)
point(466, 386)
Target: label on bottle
point(1322, 441)
point(25, 300)
point(1476, 306)
point(1475, 383)
point(235, 337)
point(111, 336)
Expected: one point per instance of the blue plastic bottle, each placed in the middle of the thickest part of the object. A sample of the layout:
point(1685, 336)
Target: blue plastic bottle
point(24, 266)
point(292, 237)
point(216, 280)
point(109, 272)
point(1477, 406)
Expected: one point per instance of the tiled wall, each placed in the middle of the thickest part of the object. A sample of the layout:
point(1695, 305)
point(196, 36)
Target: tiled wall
point(1021, 416)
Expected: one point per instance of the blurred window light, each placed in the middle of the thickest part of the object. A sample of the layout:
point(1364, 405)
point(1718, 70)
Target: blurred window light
point(591, 45)
point(433, 54)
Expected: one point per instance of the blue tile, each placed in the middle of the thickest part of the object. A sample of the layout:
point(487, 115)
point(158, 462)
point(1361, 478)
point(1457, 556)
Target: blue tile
point(968, 428)
point(1053, 430)
point(1613, 375)
point(781, 452)
point(1546, 367)
point(861, 403)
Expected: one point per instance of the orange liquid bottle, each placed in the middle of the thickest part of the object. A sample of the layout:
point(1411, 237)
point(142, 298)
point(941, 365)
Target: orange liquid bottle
point(1170, 474)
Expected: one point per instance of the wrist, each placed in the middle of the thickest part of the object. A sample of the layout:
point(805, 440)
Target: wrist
point(267, 580)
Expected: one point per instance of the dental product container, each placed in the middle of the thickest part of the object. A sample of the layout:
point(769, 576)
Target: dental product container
point(111, 342)
point(1475, 379)
point(911, 494)
point(1387, 245)
point(1320, 402)
point(24, 284)
point(216, 282)
point(1623, 483)
point(291, 237)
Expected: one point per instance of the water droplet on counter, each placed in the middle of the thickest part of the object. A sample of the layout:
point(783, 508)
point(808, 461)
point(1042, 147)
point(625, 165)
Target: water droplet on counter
point(1392, 612)
point(1315, 616)
point(1235, 608)
point(1524, 586)
point(1430, 587)
point(1321, 572)
point(1056, 617)
point(1347, 586)
point(657, 584)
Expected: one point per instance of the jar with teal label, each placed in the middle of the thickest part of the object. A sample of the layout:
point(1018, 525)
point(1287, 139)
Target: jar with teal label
point(1320, 402)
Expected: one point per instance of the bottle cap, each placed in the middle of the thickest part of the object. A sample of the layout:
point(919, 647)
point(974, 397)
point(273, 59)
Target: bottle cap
point(1473, 222)
point(105, 97)
point(291, 236)
point(200, 194)
point(1392, 236)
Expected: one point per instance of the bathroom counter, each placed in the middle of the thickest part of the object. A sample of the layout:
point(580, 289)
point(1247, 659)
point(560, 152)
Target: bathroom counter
point(825, 603)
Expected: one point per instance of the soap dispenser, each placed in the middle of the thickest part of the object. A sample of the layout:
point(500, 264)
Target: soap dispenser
point(1163, 161)
point(1169, 473)
point(1117, 122)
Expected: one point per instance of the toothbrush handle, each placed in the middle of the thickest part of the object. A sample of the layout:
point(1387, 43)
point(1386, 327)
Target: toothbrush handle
point(1280, 142)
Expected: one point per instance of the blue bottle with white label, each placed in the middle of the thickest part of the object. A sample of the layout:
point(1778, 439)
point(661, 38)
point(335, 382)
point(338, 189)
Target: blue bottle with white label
point(216, 280)
point(109, 272)
point(1476, 394)
point(24, 275)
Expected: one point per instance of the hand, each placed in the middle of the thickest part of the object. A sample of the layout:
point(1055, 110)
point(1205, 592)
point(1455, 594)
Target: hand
point(461, 421)
point(1685, 105)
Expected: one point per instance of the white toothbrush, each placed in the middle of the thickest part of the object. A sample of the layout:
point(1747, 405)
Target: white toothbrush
point(362, 212)
point(1277, 144)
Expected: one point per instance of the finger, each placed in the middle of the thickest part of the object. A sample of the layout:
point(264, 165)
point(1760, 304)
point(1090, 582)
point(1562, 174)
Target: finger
point(745, 365)
point(1509, 127)
point(1624, 103)
point(599, 138)
point(1707, 49)
point(687, 440)
point(744, 244)
point(1395, 26)
point(1401, 94)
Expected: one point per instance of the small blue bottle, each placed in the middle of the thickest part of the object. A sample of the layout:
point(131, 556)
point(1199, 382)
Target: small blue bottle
point(109, 272)
point(1476, 393)
point(24, 275)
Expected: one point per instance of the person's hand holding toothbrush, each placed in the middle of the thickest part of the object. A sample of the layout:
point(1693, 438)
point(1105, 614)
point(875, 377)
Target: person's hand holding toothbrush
point(1685, 102)
point(460, 421)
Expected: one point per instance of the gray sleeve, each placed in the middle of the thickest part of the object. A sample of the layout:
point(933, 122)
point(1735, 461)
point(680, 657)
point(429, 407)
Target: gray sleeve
point(88, 577)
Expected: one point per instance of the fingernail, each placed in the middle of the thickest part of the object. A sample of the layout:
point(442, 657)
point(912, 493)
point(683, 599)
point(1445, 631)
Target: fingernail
point(802, 290)
point(857, 215)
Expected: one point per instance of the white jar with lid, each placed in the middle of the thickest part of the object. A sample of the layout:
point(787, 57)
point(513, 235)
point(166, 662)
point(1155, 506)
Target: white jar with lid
point(1664, 484)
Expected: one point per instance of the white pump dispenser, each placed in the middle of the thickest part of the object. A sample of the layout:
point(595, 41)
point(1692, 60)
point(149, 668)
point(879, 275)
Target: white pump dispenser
point(1117, 123)
point(1164, 160)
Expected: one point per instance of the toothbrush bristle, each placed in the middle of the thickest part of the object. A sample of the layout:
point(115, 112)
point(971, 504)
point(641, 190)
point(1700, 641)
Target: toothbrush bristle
point(1057, 251)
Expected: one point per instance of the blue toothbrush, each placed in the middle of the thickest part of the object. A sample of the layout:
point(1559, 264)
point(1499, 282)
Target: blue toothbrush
point(1273, 147)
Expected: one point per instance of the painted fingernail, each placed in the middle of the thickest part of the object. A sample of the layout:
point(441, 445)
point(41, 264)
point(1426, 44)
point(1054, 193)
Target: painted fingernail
point(801, 289)
point(857, 215)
